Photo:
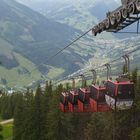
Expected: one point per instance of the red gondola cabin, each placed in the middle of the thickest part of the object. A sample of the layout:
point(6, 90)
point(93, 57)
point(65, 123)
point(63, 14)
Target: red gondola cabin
point(64, 102)
point(83, 100)
point(120, 95)
point(73, 101)
point(97, 99)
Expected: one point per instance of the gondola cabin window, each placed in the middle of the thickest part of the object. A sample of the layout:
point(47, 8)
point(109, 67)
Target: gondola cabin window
point(64, 98)
point(126, 91)
point(101, 97)
point(111, 89)
point(94, 93)
point(73, 97)
point(83, 95)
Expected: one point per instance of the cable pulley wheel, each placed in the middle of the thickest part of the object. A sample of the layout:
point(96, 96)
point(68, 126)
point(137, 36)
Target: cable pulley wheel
point(98, 29)
point(112, 19)
point(94, 32)
point(124, 12)
point(118, 16)
point(137, 5)
point(107, 23)
point(131, 8)
point(102, 26)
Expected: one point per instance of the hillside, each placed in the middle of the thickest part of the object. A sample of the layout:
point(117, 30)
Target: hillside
point(28, 39)
point(34, 38)
point(14, 67)
point(84, 14)
point(79, 14)
point(39, 100)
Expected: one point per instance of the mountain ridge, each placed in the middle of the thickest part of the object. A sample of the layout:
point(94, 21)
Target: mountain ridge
point(31, 39)
point(36, 38)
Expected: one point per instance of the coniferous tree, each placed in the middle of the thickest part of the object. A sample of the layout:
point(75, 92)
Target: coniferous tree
point(135, 135)
point(67, 86)
point(48, 92)
point(28, 123)
point(46, 86)
point(13, 103)
point(1, 137)
point(18, 129)
point(138, 88)
point(100, 127)
point(5, 107)
point(50, 87)
point(135, 75)
point(38, 116)
point(47, 96)
point(45, 121)
point(54, 117)
point(9, 107)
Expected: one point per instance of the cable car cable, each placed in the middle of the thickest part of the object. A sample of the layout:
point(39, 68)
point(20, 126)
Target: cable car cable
point(60, 51)
point(118, 58)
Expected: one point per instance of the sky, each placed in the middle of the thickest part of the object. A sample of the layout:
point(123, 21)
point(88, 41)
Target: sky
point(56, 0)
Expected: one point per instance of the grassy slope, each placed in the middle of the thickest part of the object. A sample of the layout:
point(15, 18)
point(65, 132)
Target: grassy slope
point(16, 79)
point(7, 131)
point(25, 29)
point(83, 23)
point(13, 77)
point(74, 13)
point(55, 72)
point(5, 47)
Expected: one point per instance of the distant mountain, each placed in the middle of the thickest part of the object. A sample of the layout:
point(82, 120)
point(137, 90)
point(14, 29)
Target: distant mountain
point(26, 34)
point(28, 39)
point(79, 14)
point(83, 14)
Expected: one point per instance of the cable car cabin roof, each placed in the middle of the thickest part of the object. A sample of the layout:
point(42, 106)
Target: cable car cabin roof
point(73, 97)
point(85, 90)
point(73, 92)
point(98, 93)
point(65, 94)
point(84, 94)
point(99, 87)
point(64, 98)
point(121, 82)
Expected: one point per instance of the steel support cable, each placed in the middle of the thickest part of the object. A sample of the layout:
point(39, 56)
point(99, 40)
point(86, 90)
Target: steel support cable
point(117, 58)
point(60, 51)
point(108, 62)
point(128, 53)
